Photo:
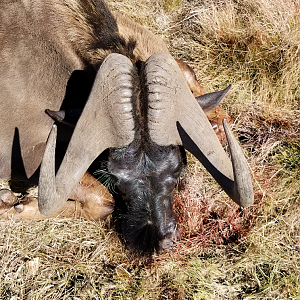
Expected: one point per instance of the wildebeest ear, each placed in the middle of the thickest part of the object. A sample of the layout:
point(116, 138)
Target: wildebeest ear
point(58, 116)
point(211, 100)
point(67, 117)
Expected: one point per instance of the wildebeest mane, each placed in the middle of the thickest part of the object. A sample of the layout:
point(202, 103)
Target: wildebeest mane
point(88, 28)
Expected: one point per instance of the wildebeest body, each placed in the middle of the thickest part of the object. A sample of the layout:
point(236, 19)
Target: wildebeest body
point(56, 55)
point(41, 45)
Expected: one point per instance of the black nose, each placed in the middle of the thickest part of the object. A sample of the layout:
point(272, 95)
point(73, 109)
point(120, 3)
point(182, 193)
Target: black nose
point(165, 244)
point(169, 240)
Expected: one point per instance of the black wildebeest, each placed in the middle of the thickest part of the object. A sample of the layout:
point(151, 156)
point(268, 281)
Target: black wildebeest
point(125, 93)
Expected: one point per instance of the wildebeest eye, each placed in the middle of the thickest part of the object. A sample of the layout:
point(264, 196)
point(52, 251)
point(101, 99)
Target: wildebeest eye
point(171, 181)
point(168, 185)
point(124, 195)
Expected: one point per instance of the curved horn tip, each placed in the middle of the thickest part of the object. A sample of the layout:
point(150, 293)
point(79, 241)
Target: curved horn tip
point(47, 168)
point(243, 193)
point(229, 87)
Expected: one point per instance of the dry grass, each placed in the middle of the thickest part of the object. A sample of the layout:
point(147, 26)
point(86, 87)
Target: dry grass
point(225, 252)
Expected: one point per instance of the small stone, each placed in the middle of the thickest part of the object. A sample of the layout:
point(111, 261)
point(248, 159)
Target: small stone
point(19, 207)
point(8, 197)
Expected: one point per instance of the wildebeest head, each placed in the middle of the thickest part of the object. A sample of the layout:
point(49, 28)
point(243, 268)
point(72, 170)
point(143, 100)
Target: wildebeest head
point(145, 180)
point(143, 115)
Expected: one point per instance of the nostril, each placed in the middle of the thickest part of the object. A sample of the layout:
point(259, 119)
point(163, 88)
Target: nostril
point(168, 241)
point(165, 244)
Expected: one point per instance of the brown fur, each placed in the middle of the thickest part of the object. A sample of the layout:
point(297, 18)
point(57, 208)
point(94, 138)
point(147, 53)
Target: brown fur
point(190, 78)
point(215, 115)
point(146, 44)
point(92, 201)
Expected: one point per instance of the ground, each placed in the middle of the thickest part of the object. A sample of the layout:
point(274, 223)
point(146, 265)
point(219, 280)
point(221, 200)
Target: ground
point(225, 252)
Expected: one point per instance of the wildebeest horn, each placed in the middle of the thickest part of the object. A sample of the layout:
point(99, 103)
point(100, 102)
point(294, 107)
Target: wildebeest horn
point(106, 121)
point(175, 117)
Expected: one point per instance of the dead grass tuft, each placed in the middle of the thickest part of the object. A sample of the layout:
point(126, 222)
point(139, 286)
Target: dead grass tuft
point(208, 218)
point(253, 44)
